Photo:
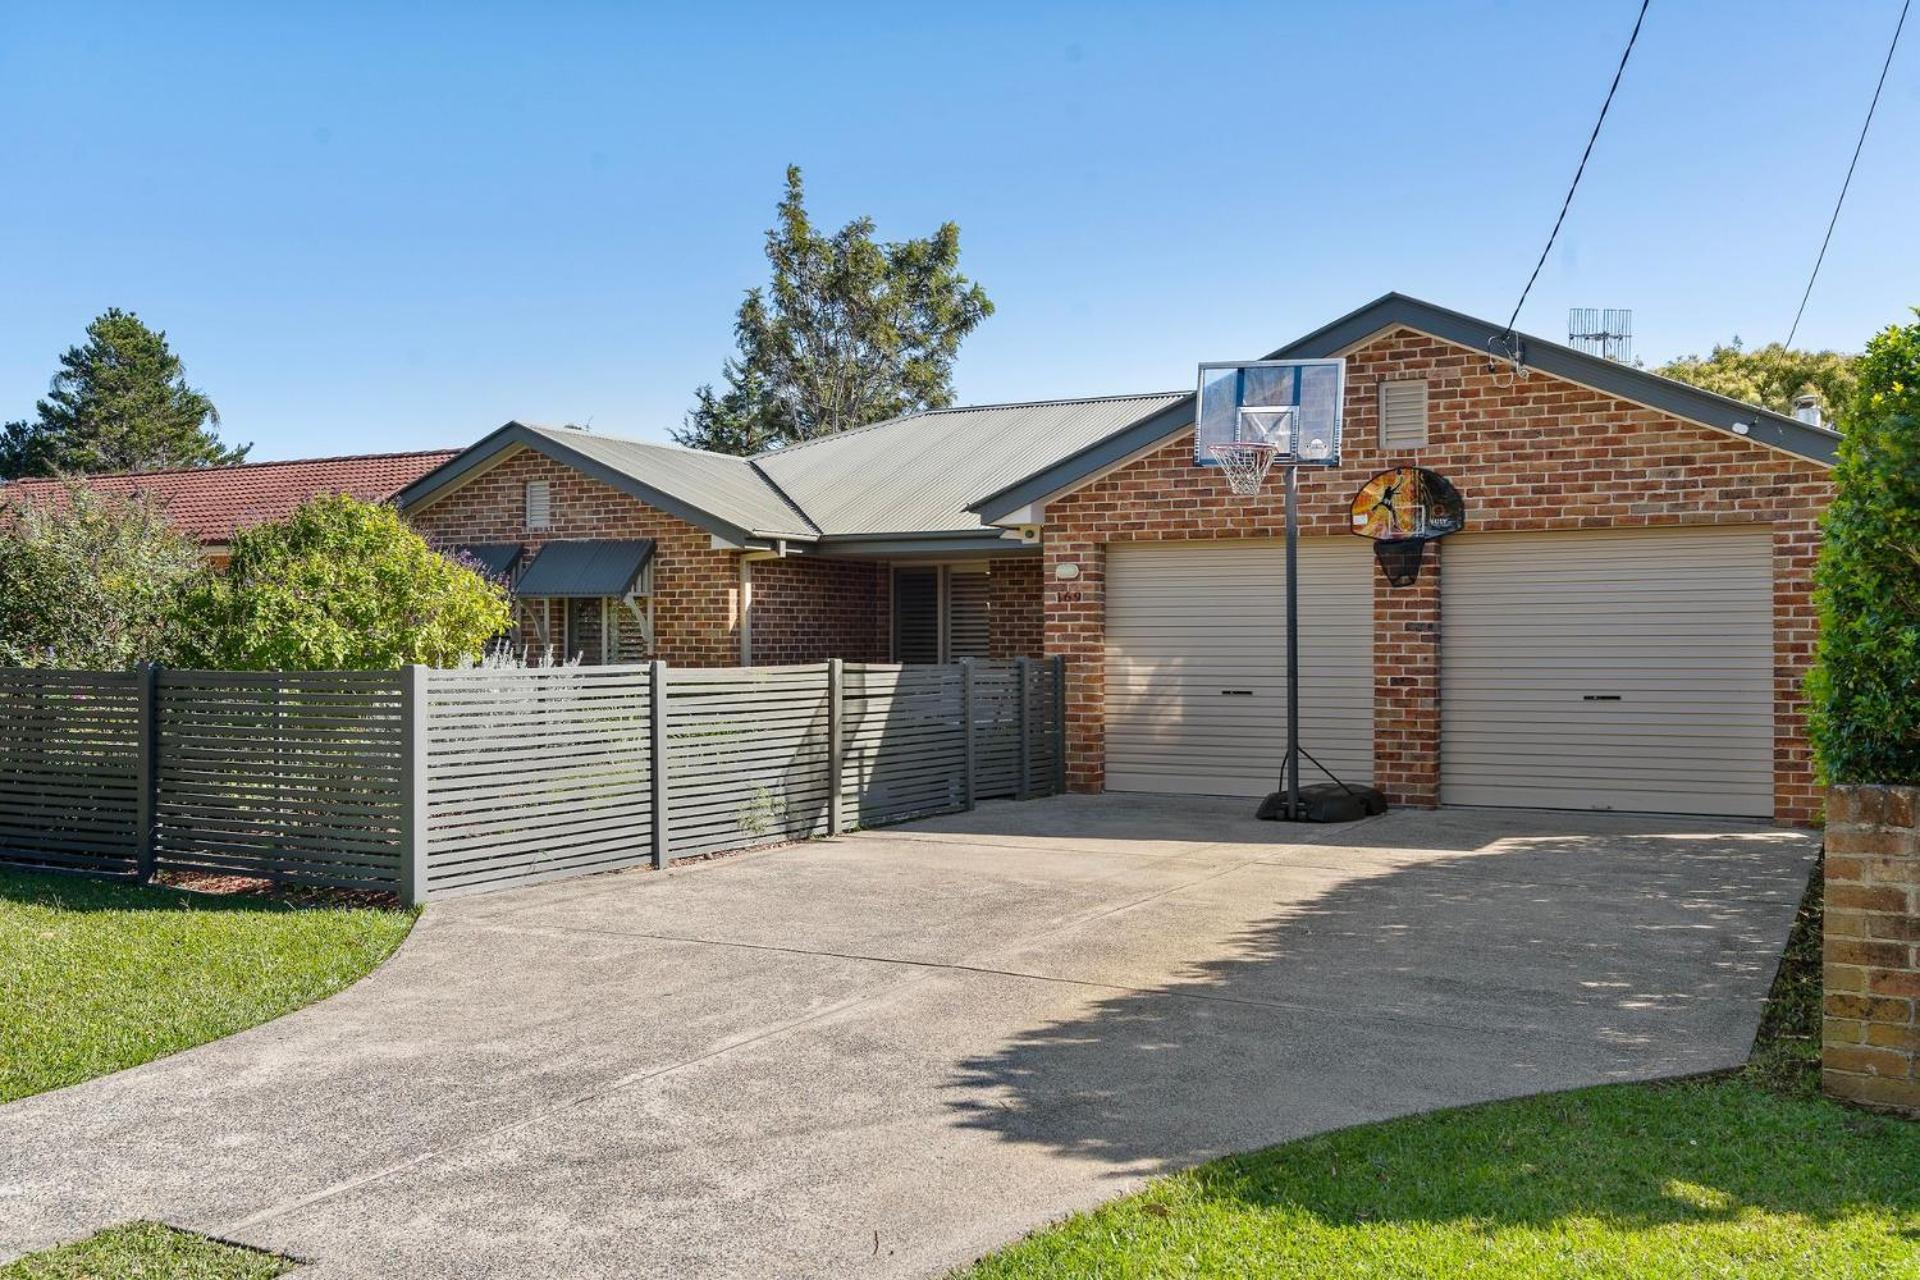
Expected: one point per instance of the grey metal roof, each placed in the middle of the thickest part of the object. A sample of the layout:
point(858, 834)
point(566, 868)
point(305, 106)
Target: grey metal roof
point(1395, 310)
point(585, 568)
point(729, 487)
point(916, 474)
point(726, 495)
point(939, 478)
point(1669, 395)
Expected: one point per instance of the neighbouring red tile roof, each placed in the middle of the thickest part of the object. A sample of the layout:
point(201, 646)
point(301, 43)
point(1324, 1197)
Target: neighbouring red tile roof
point(210, 503)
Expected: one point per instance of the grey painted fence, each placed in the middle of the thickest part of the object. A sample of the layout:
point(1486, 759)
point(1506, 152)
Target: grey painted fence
point(72, 768)
point(430, 783)
point(533, 775)
point(293, 777)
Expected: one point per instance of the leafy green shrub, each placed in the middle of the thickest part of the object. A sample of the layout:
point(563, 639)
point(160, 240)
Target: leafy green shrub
point(1773, 375)
point(340, 585)
point(90, 580)
point(1865, 686)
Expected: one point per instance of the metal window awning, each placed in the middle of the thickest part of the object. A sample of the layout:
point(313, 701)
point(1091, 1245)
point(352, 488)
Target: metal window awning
point(497, 558)
point(586, 568)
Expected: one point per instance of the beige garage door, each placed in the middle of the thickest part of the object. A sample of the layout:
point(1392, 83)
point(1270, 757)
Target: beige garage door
point(1196, 664)
point(1609, 670)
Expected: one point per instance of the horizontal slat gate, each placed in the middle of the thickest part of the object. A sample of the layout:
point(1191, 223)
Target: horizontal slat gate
point(904, 741)
point(747, 757)
point(535, 775)
point(996, 730)
point(294, 777)
point(1045, 732)
point(71, 771)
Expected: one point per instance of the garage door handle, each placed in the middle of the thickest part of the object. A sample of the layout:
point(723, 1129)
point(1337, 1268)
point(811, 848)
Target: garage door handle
point(1600, 697)
point(1236, 693)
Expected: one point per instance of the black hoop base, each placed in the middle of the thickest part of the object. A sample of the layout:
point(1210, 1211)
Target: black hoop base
point(1324, 802)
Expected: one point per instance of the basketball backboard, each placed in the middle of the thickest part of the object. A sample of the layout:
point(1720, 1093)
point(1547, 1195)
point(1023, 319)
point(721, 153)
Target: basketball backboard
point(1239, 403)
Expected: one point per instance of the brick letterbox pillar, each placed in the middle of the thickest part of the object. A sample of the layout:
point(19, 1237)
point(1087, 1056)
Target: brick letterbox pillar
point(1870, 954)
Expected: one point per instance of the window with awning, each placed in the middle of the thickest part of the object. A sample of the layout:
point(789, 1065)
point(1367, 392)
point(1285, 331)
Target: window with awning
point(607, 587)
point(588, 568)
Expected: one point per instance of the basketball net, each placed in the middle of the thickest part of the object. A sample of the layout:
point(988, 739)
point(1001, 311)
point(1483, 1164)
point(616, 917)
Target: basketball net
point(1246, 463)
point(1400, 559)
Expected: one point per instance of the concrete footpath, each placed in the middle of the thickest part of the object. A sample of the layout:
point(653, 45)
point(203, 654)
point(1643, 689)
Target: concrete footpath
point(887, 1053)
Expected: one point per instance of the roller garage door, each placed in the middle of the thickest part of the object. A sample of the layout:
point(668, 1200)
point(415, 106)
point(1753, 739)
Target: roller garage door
point(1609, 670)
point(1196, 664)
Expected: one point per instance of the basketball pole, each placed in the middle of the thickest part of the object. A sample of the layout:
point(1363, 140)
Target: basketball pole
point(1292, 780)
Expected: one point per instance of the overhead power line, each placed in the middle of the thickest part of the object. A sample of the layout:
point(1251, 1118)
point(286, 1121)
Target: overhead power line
point(1865, 125)
point(1575, 185)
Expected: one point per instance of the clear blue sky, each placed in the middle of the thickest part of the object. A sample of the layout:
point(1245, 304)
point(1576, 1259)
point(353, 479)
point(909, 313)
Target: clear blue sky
point(372, 229)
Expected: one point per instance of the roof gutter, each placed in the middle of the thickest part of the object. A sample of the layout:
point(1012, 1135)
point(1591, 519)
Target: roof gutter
point(941, 542)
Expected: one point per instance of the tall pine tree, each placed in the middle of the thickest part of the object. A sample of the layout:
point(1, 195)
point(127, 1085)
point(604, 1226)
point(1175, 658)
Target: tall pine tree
point(850, 331)
point(119, 403)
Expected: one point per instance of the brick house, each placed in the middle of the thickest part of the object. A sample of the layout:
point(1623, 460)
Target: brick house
point(1625, 623)
point(211, 504)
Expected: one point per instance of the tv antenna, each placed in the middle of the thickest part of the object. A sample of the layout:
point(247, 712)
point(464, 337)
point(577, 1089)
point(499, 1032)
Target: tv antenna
point(1601, 331)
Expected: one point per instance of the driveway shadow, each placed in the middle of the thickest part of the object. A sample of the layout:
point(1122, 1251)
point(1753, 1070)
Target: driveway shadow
point(1384, 979)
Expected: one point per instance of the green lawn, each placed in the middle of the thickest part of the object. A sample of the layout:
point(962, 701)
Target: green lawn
point(1751, 1175)
point(96, 975)
point(147, 1251)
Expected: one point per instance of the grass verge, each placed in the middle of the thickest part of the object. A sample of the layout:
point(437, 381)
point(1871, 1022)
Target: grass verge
point(147, 1251)
point(1749, 1175)
point(97, 976)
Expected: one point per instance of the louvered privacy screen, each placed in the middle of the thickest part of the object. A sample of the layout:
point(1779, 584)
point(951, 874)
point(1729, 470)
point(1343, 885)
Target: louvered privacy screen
point(968, 632)
point(430, 783)
point(916, 615)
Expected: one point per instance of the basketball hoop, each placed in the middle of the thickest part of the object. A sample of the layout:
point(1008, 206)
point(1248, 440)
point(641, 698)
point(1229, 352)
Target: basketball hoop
point(1250, 417)
point(1246, 463)
point(1402, 511)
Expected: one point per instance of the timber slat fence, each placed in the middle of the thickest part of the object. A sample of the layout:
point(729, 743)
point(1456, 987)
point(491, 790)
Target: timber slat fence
point(430, 783)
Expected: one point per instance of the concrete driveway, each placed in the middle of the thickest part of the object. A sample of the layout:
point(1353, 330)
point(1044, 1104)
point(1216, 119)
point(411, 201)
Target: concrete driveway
point(887, 1053)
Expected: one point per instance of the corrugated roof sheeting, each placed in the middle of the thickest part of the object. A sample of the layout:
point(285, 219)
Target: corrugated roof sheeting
point(585, 568)
point(727, 487)
point(918, 473)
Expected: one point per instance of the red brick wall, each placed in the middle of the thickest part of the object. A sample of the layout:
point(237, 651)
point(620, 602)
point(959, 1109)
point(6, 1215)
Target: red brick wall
point(809, 610)
point(696, 589)
point(1539, 454)
point(1017, 623)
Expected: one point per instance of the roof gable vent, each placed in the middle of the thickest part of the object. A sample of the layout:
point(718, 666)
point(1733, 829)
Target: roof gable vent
point(539, 504)
point(1403, 414)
